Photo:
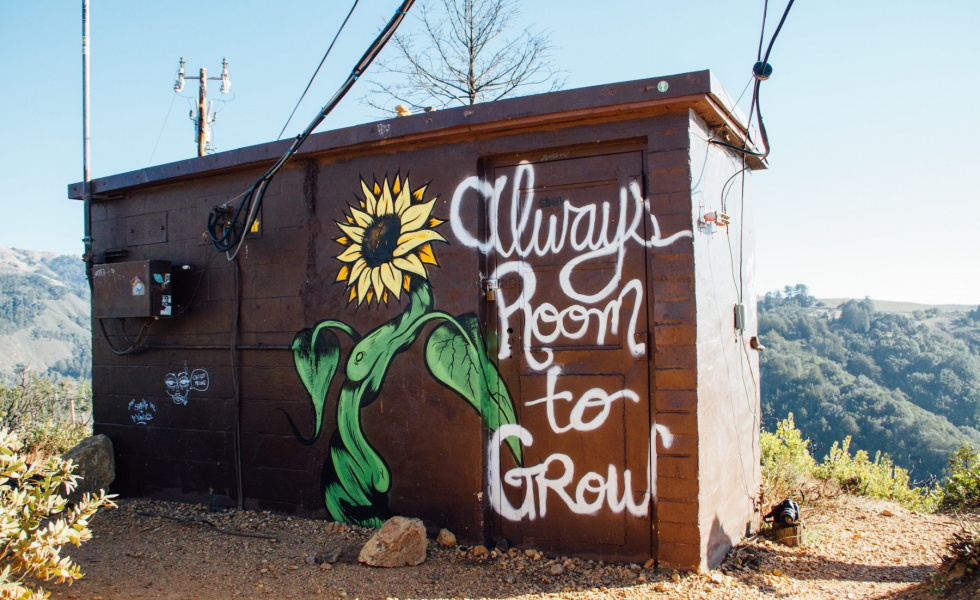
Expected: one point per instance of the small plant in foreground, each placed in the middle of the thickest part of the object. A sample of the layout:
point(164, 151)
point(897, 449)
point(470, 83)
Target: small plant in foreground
point(35, 521)
point(962, 489)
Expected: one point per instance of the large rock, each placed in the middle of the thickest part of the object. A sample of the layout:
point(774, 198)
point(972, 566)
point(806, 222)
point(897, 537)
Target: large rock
point(400, 542)
point(95, 463)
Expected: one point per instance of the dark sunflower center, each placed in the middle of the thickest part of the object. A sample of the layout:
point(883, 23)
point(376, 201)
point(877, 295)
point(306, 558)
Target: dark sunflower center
point(380, 240)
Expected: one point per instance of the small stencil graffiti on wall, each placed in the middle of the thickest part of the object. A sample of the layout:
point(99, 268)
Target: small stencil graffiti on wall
point(142, 412)
point(180, 385)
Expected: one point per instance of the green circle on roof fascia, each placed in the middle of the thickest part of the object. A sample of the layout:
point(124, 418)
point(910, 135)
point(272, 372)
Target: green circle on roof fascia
point(662, 86)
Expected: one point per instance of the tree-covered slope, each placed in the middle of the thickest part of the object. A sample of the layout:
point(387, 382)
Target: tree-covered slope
point(907, 385)
point(44, 314)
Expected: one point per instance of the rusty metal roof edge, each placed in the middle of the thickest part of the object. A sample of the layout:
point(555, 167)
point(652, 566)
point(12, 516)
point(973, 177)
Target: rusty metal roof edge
point(507, 113)
point(736, 121)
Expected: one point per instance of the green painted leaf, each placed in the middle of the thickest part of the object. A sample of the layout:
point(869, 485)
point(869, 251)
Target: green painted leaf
point(316, 354)
point(457, 356)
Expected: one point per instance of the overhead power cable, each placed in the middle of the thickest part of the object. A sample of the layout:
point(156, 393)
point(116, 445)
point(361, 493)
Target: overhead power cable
point(324, 59)
point(228, 233)
point(762, 70)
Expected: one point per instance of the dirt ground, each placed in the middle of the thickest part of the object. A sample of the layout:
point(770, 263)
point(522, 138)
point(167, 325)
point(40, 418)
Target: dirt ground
point(853, 548)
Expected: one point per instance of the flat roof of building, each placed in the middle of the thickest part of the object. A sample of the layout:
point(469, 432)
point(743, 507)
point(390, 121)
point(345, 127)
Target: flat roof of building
point(699, 91)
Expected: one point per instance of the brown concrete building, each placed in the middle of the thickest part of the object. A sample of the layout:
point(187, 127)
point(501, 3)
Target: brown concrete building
point(526, 320)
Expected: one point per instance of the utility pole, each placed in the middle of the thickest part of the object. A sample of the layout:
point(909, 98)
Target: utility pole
point(86, 145)
point(202, 113)
point(205, 116)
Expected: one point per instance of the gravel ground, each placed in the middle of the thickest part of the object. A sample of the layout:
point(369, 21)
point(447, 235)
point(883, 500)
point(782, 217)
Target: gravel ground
point(853, 548)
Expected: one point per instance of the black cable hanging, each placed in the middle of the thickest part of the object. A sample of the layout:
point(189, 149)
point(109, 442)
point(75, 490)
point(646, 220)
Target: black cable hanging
point(228, 234)
point(761, 71)
point(324, 59)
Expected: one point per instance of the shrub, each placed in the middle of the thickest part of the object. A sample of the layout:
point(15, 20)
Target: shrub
point(961, 560)
point(40, 412)
point(35, 520)
point(961, 490)
point(878, 478)
point(787, 466)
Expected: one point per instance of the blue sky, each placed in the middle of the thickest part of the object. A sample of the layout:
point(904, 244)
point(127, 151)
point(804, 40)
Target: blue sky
point(872, 187)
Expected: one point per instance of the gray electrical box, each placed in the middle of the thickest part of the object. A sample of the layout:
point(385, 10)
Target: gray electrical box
point(132, 289)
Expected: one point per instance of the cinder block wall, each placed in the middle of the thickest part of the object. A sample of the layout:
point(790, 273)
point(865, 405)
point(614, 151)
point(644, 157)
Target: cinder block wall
point(639, 398)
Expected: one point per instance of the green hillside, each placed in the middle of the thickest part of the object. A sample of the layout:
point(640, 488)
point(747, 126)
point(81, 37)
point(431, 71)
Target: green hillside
point(904, 384)
point(44, 314)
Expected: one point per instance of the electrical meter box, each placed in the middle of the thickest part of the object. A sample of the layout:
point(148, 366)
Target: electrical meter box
point(132, 289)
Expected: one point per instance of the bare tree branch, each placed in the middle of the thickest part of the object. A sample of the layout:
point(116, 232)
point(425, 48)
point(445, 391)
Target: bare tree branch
point(463, 54)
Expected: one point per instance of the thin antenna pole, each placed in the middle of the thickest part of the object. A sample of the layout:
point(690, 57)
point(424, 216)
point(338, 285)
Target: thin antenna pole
point(86, 135)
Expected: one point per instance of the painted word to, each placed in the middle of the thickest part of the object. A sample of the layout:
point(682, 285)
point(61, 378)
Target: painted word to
point(179, 385)
point(142, 411)
point(594, 398)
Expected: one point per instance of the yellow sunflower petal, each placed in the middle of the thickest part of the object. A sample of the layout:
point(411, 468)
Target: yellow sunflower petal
point(344, 272)
point(355, 271)
point(370, 200)
point(342, 240)
point(353, 294)
point(354, 232)
point(412, 264)
point(376, 281)
point(352, 253)
point(408, 282)
point(363, 219)
point(426, 255)
point(370, 295)
point(384, 297)
point(416, 216)
point(386, 205)
point(413, 239)
point(363, 285)
point(398, 277)
point(403, 199)
point(419, 193)
point(396, 186)
point(389, 278)
point(377, 189)
point(434, 222)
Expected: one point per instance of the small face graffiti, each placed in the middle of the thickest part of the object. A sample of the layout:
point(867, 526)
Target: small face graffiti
point(179, 385)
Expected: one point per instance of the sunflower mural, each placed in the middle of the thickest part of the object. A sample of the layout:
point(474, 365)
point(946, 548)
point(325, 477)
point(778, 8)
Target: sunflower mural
point(387, 242)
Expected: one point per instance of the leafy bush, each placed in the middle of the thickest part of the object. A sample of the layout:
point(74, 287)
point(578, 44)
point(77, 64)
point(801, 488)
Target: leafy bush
point(35, 521)
point(786, 462)
point(41, 412)
point(961, 490)
point(878, 478)
point(788, 470)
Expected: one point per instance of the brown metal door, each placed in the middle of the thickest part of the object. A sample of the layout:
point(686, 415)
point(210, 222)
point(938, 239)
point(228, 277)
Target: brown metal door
point(569, 279)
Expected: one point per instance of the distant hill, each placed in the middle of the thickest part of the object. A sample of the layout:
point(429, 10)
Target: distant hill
point(905, 381)
point(906, 308)
point(44, 314)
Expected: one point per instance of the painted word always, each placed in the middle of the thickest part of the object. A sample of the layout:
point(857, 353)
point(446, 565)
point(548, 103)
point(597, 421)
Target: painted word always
point(580, 228)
